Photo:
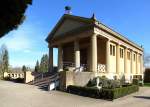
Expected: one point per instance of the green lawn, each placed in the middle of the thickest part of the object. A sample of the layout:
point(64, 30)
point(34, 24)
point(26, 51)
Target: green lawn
point(147, 84)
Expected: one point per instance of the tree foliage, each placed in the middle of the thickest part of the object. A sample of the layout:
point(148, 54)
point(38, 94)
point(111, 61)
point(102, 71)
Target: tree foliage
point(37, 67)
point(44, 63)
point(24, 68)
point(12, 14)
point(4, 60)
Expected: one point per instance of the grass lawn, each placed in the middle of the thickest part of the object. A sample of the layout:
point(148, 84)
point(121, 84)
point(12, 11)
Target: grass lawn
point(147, 84)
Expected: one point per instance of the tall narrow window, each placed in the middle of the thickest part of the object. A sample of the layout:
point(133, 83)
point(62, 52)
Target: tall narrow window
point(121, 53)
point(110, 49)
point(113, 50)
point(128, 55)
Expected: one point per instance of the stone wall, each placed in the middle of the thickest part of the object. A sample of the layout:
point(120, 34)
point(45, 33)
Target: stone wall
point(74, 78)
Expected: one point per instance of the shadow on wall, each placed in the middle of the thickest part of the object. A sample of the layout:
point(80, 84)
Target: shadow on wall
point(143, 97)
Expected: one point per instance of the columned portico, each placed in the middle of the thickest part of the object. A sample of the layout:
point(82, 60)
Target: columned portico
point(97, 49)
point(60, 59)
point(77, 54)
point(93, 44)
point(50, 59)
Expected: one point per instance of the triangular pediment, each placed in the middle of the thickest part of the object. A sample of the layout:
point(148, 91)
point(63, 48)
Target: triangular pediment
point(68, 23)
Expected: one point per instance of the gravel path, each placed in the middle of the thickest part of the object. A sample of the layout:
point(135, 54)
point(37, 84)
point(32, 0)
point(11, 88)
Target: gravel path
point(22, 95)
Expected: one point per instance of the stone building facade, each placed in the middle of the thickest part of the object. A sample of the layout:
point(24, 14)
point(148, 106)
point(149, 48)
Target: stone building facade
point(87, 45)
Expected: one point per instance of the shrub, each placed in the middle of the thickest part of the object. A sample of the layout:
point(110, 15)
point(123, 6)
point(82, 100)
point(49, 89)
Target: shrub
point(7, 78)
point(102, 93)
point(135, 81)
point(104, 82)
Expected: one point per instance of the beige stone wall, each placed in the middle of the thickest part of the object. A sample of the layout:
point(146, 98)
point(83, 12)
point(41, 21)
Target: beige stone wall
point(113, 61)
point(28, 76)
point(121, 68)
point(129, 64)
point(134, 63)
point(74, 78)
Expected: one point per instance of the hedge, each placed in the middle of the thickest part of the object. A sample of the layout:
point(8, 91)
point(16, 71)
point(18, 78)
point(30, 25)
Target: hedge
point(109, 94)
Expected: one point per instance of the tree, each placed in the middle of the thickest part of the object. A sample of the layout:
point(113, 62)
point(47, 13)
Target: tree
point(12, 14)
point(24, 68)
point(44, 63)
point(37, 67)
point(4, 60)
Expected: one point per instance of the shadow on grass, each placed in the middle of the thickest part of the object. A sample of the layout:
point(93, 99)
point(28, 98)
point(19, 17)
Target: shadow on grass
point(143, 97)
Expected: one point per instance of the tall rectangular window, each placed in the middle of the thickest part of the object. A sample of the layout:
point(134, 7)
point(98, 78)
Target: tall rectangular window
point(112, 50)
point(128, 55)
point(121, 53)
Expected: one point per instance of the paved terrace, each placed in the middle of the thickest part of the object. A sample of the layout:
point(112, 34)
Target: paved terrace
point(21, 95)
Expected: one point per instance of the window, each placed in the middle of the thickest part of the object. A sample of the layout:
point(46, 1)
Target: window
point(128, 55)
point(121, 53)
point(112, 50)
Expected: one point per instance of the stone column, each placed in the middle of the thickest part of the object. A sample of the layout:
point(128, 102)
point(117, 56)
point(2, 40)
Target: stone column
point(60, 59)
point(93, 64)
point(125, 61)
point(132, 62)
point(77, 54)
point(141, 70)
point(118, 59)
point(136, 63)
point(108, 56)
point(50, 59)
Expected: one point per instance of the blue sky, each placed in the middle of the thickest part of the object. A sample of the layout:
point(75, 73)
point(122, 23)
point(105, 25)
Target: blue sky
point(27, 44)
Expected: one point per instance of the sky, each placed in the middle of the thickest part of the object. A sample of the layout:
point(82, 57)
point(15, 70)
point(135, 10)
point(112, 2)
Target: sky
point(27, 44)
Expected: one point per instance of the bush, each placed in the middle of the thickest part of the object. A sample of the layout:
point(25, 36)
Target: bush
point(102, 93)
point(7, 78)
point(135, 81)
point(104, 82)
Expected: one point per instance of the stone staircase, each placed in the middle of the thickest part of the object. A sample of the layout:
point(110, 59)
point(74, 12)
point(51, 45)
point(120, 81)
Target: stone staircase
point(51, 81)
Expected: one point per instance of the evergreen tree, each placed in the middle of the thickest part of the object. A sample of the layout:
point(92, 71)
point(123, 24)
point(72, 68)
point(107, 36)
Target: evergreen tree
point(24, 68)
point(4, 60)
point(37, 67)
point(44, 63)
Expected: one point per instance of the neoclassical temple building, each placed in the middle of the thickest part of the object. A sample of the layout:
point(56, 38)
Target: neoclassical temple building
point(87, 45)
